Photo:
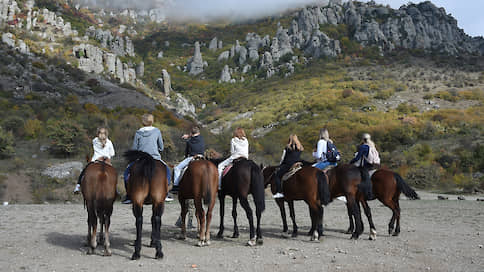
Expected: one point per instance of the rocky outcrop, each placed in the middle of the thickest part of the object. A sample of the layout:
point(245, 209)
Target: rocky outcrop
point(225, 76)
point(119, 45)
point(321, 45)
point(195, 64)
point(165, 83)
point(223, 56)
point(140, 69)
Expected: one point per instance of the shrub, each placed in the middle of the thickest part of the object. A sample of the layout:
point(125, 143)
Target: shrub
point(13, 123)
point(33, 128)
point(406, 108)
point(67, 137)
point(6, 144)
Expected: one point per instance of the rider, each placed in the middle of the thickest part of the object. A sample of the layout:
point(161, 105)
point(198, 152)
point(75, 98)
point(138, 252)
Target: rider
point(239, 148)
point(321, 148)
point(103, 151)
point(147, 139)
point(290, 155)
point(195, 146)
point(361, 161)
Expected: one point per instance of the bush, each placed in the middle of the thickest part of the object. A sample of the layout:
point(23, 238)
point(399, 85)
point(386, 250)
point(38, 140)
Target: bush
point(13, 124)
point(6, 144)
point(67, 137)
point(33, 128)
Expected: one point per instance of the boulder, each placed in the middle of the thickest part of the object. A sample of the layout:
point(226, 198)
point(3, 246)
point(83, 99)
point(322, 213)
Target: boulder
point(225, 76)
point(213, 44)
point(223, 56)
point(8, 39)
point(242, 55)
point(140, 69)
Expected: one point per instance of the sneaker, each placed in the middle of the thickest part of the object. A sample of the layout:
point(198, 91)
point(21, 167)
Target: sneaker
point(278, 195)
point(174, 189)
point(126, 201)
point(168, 198)
point(77, 189)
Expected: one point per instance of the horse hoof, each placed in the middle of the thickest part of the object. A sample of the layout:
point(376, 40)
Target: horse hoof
point(349, 231)
point(152, 243)
point(235, 235)
point(395, 233)
point(260, 241)
point(208, 242)
point(294, 235)
point(285, 235)
point(220, 235)
point(90, 251)
point(372, 234)
point(159, 255)
point(135, 256)
point(251, 242)
point(200, 243)
point(107, 253)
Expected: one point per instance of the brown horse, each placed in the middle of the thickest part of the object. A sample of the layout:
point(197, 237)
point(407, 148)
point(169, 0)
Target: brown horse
point(343, 181)
point(308, 184)
point(147, 179)
point(387, 186)
point(98, 187)
point(200, 183)
point(244, 178)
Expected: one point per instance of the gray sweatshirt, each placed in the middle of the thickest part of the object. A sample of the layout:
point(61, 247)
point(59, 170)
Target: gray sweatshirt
point(149, 140)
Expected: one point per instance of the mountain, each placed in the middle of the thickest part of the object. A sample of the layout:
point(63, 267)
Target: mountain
point(410, 77)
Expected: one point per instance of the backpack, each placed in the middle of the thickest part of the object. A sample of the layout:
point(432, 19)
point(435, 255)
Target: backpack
point(332, 153)
point(373, 156)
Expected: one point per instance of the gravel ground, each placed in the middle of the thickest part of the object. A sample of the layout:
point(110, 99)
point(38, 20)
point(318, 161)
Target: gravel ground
point(436, 235)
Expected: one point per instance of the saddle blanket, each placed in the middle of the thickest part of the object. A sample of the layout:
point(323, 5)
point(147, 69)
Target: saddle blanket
point(294, 168)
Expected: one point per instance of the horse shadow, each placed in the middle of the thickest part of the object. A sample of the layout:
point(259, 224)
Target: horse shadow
point(78, 242)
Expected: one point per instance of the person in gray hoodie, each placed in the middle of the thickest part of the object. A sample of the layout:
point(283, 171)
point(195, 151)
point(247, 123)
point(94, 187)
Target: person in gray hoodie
point(147, 139)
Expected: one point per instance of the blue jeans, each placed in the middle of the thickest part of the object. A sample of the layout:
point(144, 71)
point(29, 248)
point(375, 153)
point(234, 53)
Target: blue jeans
point(179, 168)
point(324, 165)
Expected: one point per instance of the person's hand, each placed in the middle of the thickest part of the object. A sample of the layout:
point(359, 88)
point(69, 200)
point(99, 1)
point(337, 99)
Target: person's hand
point(185, 136)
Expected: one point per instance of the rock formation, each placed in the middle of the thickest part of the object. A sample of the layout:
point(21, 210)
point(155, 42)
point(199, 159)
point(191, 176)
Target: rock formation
point(195, 64)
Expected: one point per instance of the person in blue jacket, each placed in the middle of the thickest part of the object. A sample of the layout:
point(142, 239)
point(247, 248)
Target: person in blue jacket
point(361, 161)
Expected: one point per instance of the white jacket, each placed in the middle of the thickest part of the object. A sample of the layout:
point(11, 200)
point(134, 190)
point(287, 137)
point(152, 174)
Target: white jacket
point(100, 151)
point(239, 148)
point(320, 153)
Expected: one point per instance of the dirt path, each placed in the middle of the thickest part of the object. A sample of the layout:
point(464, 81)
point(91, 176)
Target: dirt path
point(436, 236)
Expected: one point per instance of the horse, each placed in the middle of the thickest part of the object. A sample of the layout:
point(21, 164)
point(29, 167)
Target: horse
point(308, 184)
point(242, 179)
point(98, 188)
point(387, 186)
point(200, 183)
point(147, 179)
point(343, 181)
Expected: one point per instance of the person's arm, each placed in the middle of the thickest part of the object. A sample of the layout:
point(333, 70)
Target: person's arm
point(135, 142)
point(160, 141)
point(111, 149)
point(232, 147)
point(283, 155)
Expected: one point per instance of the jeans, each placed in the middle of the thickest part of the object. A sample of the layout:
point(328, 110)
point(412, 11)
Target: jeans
point(323, 165)
point(221, 167)
point(179, 168)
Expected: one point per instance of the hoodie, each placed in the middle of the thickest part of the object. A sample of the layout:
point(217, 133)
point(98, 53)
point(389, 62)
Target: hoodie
point(149, 140)
point(100, 151)
point(239, 148)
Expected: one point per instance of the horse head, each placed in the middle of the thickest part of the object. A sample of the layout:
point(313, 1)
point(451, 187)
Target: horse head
point(268, 173)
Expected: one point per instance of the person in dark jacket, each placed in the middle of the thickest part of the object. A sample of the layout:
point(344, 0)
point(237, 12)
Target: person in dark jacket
point(195, 146)
point(361, 161)
point(290, 155)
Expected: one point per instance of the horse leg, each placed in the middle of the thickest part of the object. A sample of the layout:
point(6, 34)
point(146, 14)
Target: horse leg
point(201, 221)
point(390, 204)
point(208, 221)
point(234, 216)
point(320, 221)
point(138, 214)
point(367, 210)
point(156, 228)
point(280, 203)
point(355, 211)
point(258, 213)
point(107, 244)
point(248, 211)
point(92, 222)
point(101, 226)
point(293, 217)
point(350, 217)
point(397, 227)
point(183, 214)
point(221, 199)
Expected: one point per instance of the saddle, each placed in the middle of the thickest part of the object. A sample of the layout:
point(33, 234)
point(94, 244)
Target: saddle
point(228, 167)
point(294, 168)
point(198, 157)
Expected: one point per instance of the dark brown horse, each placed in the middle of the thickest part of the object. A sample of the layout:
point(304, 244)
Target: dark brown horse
point(308, 184)
point(243, 178)
point(200, 183)
point(98, 188)
point(147, 178)
point(343, 181)
point(387, 186)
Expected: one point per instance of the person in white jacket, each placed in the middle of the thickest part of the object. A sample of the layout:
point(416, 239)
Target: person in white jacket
point(103, 151)
point(239, 147)
point(321, 149)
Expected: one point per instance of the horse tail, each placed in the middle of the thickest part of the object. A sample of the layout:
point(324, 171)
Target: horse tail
point(405, 188)
point(146, 163)
point(323, 188)
point(207, 195)
point(257, 186)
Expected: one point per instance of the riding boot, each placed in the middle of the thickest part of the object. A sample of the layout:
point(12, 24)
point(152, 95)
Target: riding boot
point(366, 183)
point(279, 193)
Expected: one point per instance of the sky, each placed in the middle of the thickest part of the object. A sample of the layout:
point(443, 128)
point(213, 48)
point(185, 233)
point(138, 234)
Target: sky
point(469, 13)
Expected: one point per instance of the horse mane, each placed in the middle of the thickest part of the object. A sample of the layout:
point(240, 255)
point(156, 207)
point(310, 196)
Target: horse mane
point(146, 162)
